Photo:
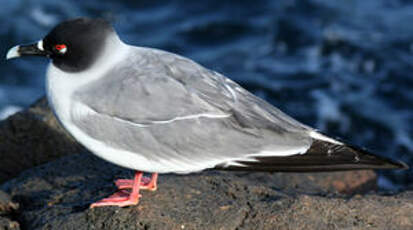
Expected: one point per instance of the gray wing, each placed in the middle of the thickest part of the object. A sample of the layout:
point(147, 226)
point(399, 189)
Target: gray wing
point(166, 107)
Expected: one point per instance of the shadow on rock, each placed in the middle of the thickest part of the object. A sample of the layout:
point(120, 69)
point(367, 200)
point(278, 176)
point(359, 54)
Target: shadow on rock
point(30, 138)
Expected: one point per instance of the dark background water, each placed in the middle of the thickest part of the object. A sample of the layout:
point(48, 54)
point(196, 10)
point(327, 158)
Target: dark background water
point(344, 67)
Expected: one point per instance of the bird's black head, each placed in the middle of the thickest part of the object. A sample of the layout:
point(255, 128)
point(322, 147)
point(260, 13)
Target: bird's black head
point(72, 45)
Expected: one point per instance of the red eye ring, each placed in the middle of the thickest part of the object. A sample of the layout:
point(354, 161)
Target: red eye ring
point(60, 47)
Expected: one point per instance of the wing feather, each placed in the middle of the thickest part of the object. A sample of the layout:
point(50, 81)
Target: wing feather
point(169, 108)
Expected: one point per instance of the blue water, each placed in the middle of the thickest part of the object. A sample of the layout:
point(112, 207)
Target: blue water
point(344, 67)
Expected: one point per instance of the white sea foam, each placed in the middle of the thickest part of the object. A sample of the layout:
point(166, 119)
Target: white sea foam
point(7, 111)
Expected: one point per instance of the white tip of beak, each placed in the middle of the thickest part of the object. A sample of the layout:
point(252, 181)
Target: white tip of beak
point(12, 53)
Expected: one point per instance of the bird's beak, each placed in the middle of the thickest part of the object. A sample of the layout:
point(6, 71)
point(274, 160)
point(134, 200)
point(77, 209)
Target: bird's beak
point(27, 50)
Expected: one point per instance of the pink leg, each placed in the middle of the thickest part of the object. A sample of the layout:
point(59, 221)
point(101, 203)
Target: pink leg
point(146, 183)
point(123, 198)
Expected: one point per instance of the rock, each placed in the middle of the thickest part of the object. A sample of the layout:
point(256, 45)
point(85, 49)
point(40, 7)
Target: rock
point(353, 182)
point(346, 183)
point(30, 138)
point(57, 195)
point(6, 204)
point(7, 224)
point(7, 208)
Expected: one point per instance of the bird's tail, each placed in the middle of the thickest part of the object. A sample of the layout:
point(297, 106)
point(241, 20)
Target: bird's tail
point(321, 156)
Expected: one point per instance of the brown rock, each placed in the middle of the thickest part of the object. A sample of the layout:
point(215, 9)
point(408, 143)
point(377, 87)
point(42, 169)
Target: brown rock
point(6, 204)
point(354, 182)
point(346, 183)
point(7, 224)
point(7, 209)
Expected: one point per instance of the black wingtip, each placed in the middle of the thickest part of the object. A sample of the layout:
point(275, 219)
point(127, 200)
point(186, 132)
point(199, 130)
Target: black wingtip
point(393, 164)
point(402, 165)
point(322, 156)
point(385, 162)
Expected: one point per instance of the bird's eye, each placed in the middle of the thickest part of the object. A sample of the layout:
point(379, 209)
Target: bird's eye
point(61, 48)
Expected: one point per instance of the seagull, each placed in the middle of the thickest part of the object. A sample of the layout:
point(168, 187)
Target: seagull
point(154, 111)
